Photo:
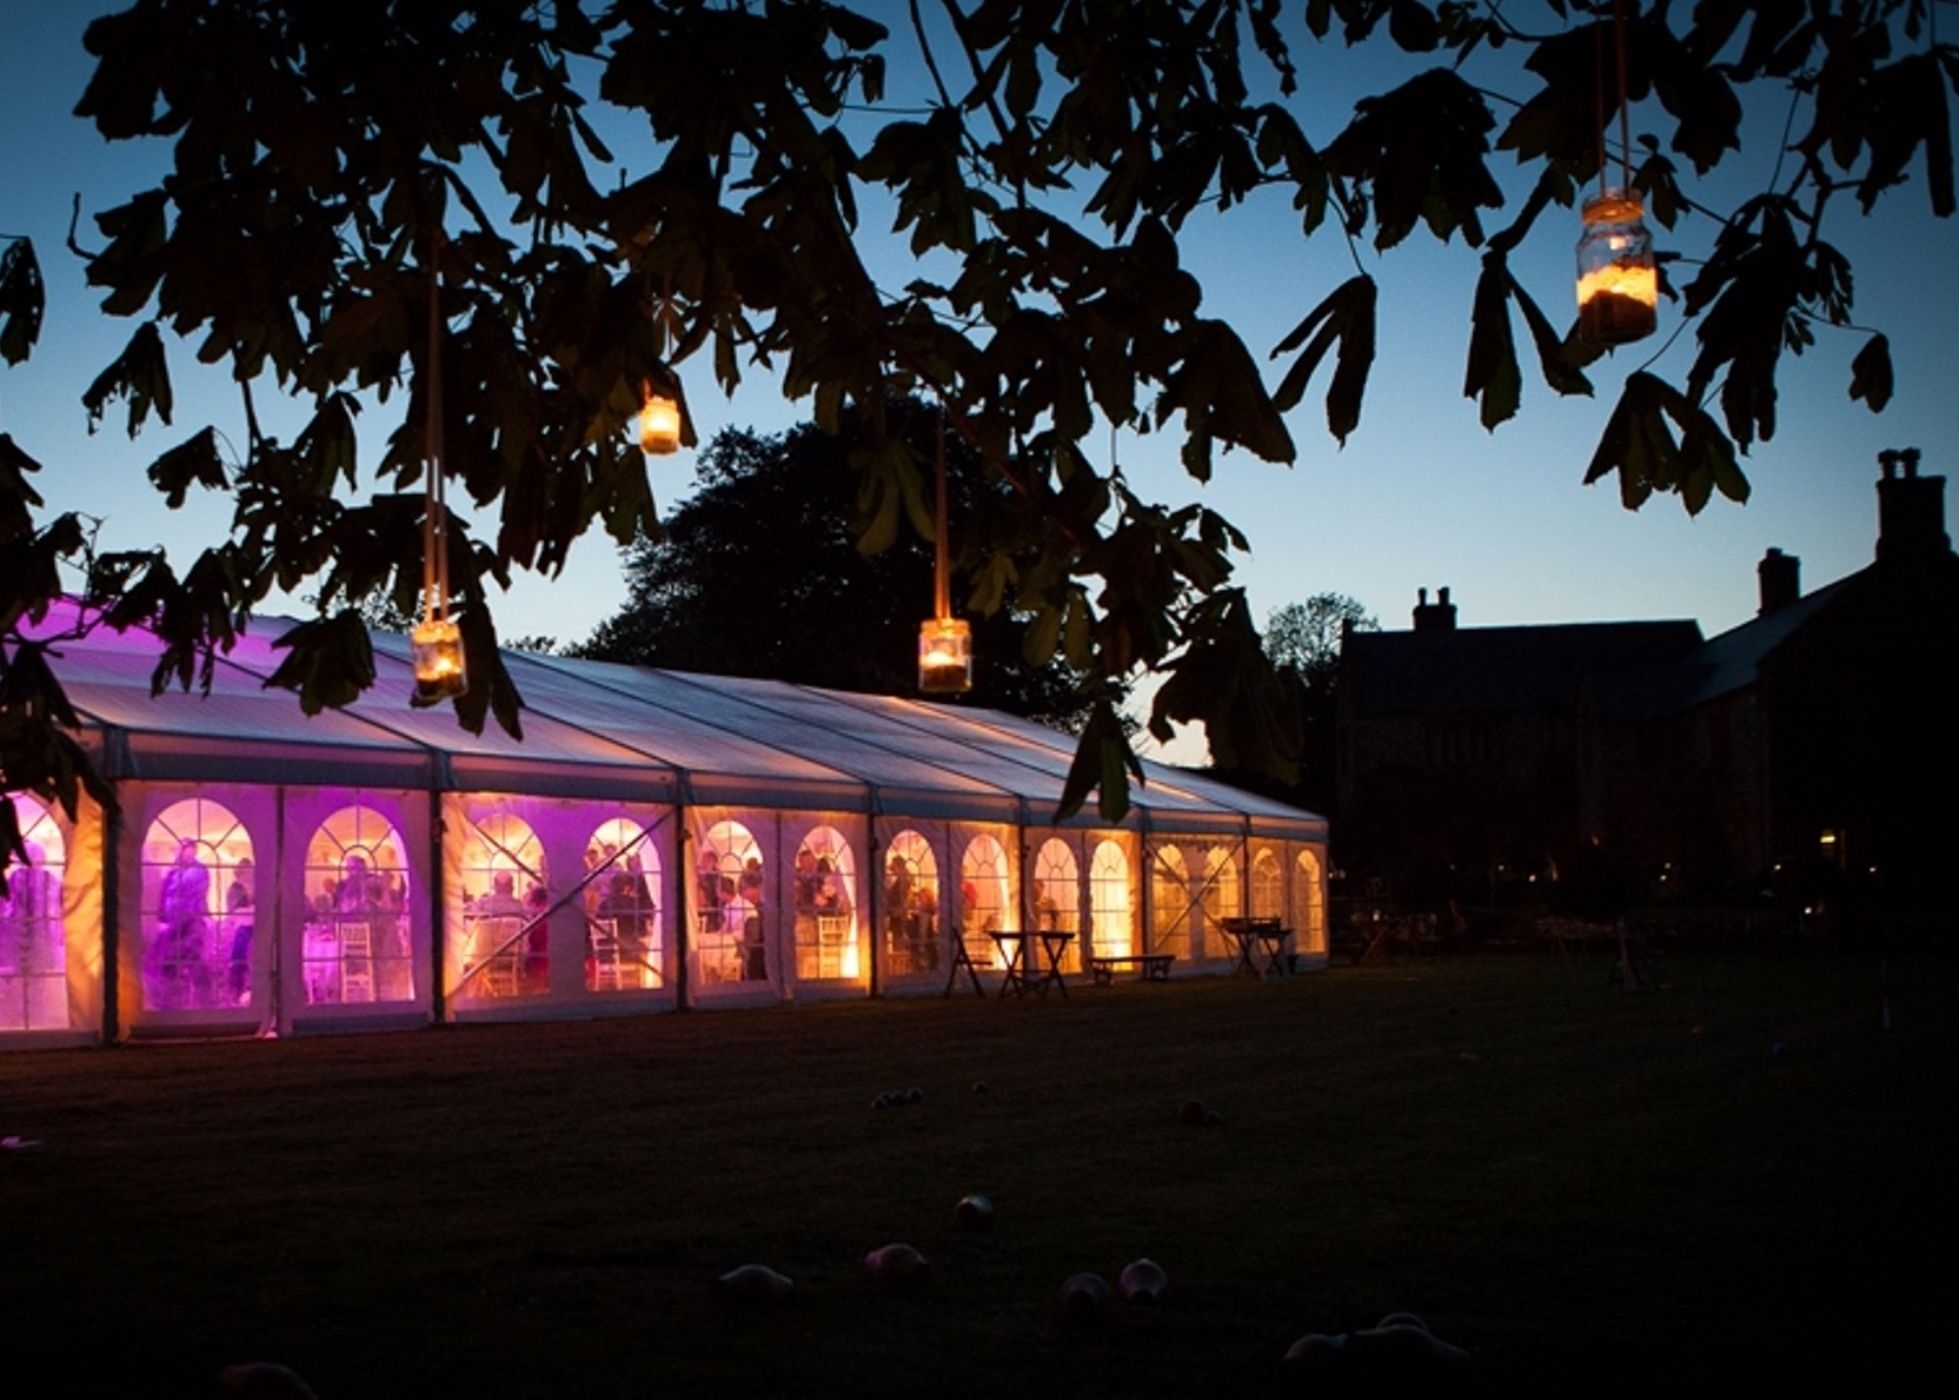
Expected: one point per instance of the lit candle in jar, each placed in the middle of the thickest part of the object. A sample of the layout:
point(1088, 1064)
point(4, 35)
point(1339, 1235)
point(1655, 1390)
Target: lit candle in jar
point(436, 649)
point(1618, 278)
point(659, 424)
point(945, 656)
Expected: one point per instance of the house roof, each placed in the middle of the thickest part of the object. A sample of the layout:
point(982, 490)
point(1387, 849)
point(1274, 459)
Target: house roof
point(1728, 661)
point(596, 729)
point(1502, 670)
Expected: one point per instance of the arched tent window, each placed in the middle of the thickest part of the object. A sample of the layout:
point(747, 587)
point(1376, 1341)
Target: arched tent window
point(360, 913)
point(911, 905)
point(984, 897)
point(1112, 924)
point(1170, 902)
point(33, 943)
point(1268, 884)
point(198, 925)
point(1309, 903)
point(1058, 895)
point(732, 920)
point(624, 935)
point(506, 892)
point(1220, 899)
point(825, 896)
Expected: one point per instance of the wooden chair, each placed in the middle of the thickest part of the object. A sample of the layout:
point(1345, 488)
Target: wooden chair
point(608, 971)
point(356, 960)
point(495, 958)
point(832, 937)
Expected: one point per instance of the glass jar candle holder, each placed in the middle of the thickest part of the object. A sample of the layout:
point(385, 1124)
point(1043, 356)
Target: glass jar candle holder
point(1618, 279)
point(945, 656)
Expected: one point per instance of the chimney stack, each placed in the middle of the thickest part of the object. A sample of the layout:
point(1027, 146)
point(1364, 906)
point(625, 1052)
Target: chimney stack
point(1910, 509)
point(1781, 576)
point(1439, 616)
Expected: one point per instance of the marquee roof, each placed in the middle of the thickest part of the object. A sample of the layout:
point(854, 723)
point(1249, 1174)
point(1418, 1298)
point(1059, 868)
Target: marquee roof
point(596, 729)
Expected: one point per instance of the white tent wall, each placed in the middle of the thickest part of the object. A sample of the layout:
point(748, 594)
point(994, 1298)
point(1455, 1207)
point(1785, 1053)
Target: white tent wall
point(1114, 873)
point(916, 864)
point(736, 906)
point(1195, 883)
point(51, 929)
point(826, 934)
point(516, 879)
point(1308, 881)
point(197, 861)
point(1082, 880)
point(986, 896)
point(353, 910)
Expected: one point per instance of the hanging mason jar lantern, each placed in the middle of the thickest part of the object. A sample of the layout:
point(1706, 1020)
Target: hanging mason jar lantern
point(436, 649)
point(1618, 279)
point(659, 423)
point(945, 656)
point(945, 642)
point(435, 646)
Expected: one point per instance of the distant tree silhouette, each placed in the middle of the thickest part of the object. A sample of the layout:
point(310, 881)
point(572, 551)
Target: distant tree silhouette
point(759, 574)
point(1303, 640)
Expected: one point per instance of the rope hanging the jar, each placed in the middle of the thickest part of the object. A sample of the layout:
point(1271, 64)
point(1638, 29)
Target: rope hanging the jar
point(1618, 277)
point(659, 415)
point(945, 642)
point(436, 644)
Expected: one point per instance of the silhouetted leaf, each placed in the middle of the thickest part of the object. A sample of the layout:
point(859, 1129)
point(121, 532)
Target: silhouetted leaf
point(1346, 316)
point(1870, 374)
point(329, 661)
point(194, 462)
point(138, 375)
point(23, 299)
point(1492, 373)
point(1641, 447)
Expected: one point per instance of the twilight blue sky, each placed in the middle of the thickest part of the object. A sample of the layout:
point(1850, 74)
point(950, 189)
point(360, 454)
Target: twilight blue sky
point(1420, 495)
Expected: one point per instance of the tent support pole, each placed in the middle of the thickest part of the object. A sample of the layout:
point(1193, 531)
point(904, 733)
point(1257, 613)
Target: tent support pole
point(111, 925)
point(873, 904)
point(684, 881)
point(438, 931)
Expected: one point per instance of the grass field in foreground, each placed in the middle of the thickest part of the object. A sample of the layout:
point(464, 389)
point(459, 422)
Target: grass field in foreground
point(1589, 1190)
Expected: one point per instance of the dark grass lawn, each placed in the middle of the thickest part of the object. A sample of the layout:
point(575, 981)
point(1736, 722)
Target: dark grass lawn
point(1591, 1191)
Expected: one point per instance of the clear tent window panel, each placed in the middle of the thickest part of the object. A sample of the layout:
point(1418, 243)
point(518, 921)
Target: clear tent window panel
point(731, 937)
point(911, 905)
point(624, 932)
point(1170, 902)
point(985, 898)
point(33, 941)
point(357, 945)
point(1220, 899)
point(1058, 895)
point(1268, 884)
point(1112, 921)
point(824, 891)
point(1309, 902)
point(506, 893)
point(198, 924)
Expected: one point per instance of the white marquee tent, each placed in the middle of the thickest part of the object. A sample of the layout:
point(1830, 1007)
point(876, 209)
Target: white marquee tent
point(655, 840)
